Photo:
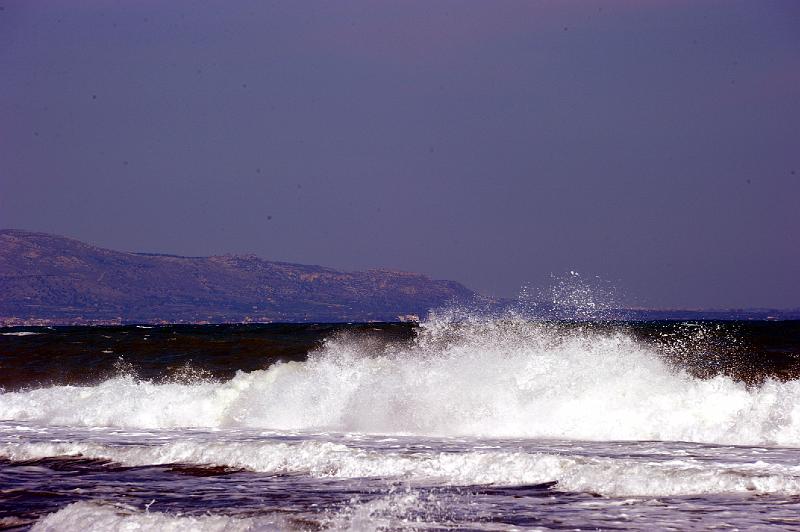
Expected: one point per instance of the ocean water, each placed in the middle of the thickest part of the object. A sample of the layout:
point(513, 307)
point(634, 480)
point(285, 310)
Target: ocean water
point(455, 424)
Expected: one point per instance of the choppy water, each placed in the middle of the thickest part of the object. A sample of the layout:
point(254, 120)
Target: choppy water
point(483, 424)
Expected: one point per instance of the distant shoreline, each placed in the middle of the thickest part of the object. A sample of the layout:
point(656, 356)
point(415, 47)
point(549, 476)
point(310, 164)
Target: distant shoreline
point(48, 280)
point(11, 323)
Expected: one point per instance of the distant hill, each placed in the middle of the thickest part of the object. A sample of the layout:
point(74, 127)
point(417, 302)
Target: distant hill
point(51, 279)
point(47, 279)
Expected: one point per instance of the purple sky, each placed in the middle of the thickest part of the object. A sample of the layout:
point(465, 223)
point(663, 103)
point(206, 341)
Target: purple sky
point(653, 143)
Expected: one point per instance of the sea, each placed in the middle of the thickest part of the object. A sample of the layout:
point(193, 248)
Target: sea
point(456, 423)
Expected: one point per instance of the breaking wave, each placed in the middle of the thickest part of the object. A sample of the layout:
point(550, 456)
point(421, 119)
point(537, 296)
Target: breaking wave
point(493, 378)
point(396, 511)
point(600, 475)
point(82, 516)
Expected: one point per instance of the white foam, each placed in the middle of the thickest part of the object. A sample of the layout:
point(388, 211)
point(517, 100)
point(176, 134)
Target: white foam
point(21, 333)
point(81, 516)
point(487, 379)
point(602, 475)
point(401, 510)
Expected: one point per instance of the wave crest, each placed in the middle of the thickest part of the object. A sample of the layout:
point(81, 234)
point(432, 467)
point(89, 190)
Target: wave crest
point(491, 378)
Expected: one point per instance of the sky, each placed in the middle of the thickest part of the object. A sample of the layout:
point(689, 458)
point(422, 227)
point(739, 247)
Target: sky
point(653, 144)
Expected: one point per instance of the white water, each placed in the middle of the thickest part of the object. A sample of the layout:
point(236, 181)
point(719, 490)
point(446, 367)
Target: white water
point(484, 379)
point(612, 476)
point(81, 516)
point(386, 513)
point(416, 432)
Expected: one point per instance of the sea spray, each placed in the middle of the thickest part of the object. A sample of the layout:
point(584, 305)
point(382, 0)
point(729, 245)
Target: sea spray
point(484, 378)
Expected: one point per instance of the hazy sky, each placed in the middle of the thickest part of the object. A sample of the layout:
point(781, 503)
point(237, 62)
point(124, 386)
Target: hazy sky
point(653, 143)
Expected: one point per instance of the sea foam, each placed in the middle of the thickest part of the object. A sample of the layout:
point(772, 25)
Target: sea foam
point(81, 516)
point(602, 475)
point(490, 378)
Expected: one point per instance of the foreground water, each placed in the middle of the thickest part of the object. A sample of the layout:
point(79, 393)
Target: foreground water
point(477, 424)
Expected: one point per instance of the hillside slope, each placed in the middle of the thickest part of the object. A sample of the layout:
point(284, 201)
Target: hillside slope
point(54, 279)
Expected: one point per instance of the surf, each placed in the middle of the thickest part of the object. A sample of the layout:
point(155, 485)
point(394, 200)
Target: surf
point(488, 378)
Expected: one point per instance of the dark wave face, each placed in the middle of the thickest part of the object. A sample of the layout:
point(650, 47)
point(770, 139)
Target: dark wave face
point(47, 356)
point(481, 424)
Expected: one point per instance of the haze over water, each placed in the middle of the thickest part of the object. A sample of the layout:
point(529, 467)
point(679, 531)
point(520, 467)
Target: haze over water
point(480, 423)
